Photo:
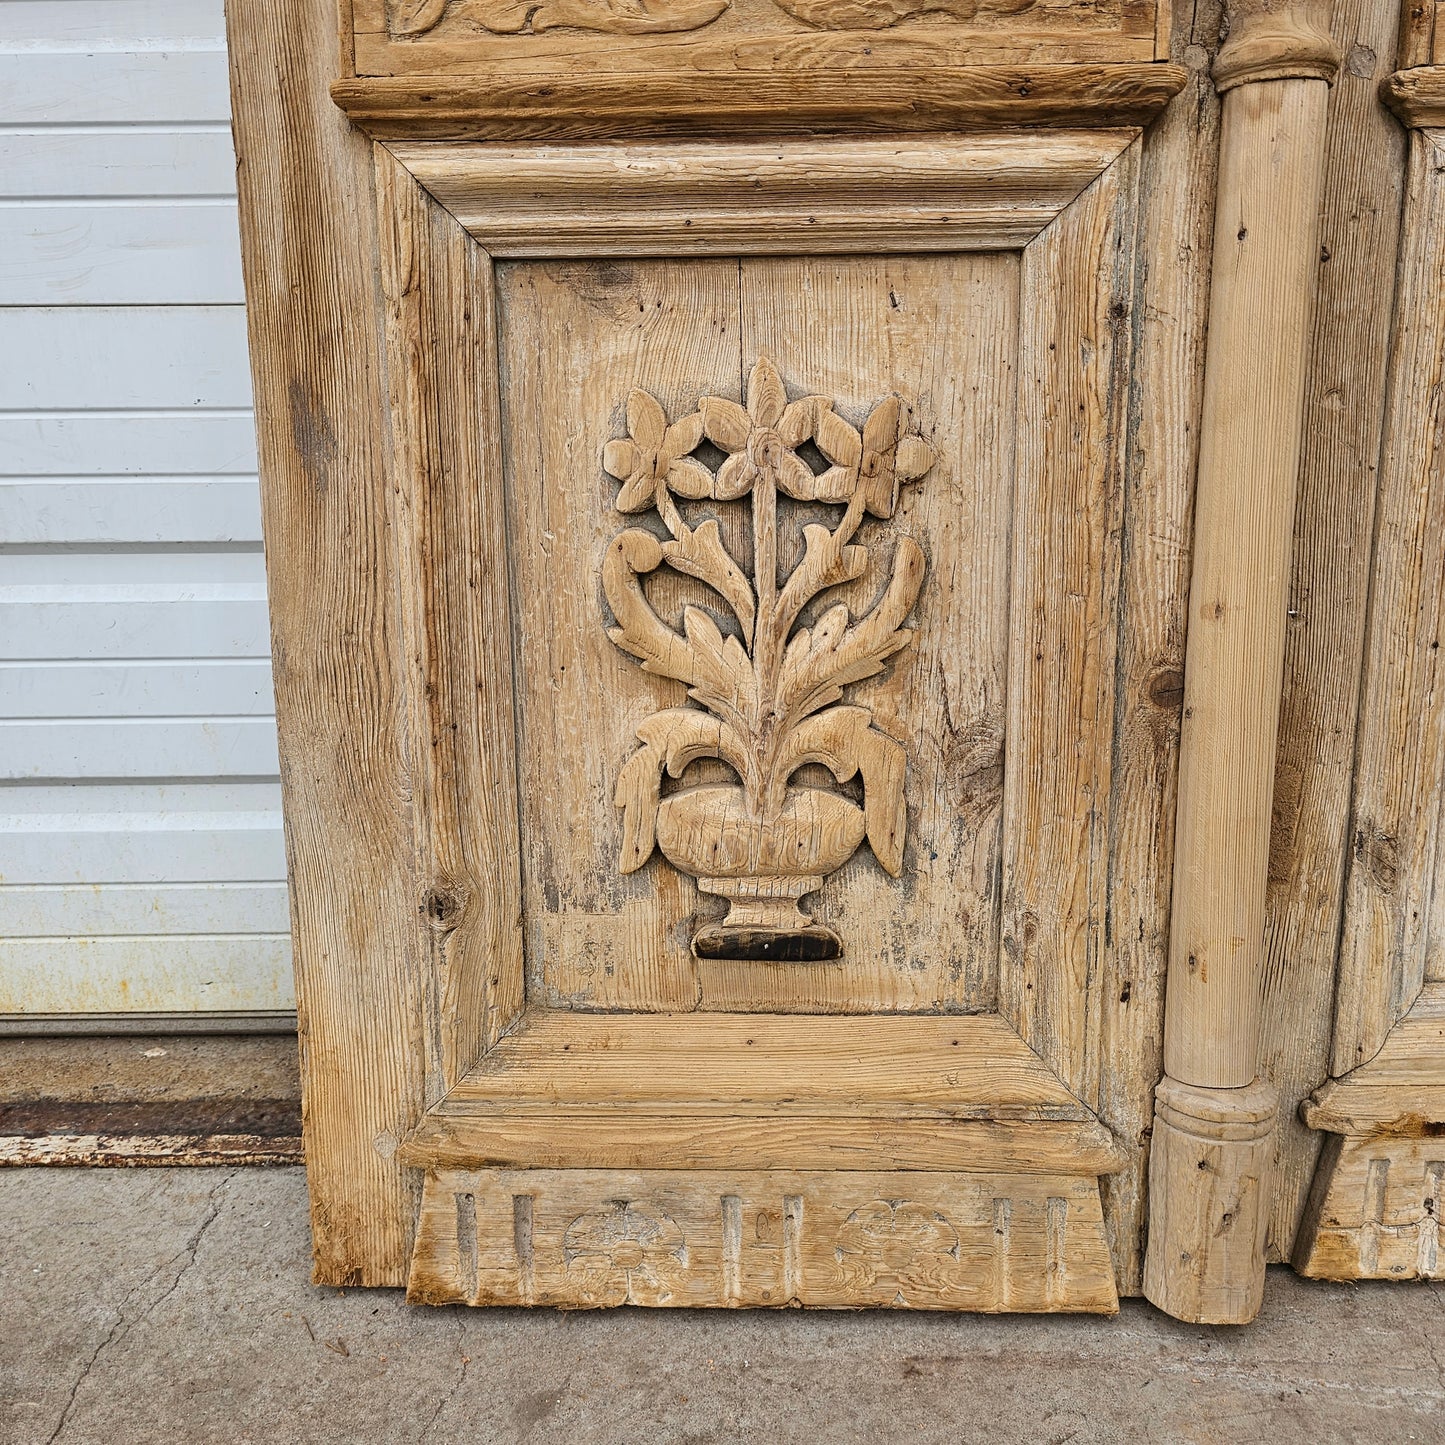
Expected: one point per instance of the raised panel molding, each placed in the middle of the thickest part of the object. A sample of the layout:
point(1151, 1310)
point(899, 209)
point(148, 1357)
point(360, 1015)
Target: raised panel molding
point(815, 197)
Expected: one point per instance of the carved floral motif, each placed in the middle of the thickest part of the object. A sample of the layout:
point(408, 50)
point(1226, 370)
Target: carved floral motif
point(411, 18)
point(880, 14)
point(609, 1249)
point(771, 691)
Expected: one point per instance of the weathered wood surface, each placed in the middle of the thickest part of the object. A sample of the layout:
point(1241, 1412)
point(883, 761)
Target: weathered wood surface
point(767, 95)
point(1264, 258)
point(697, 1091)
point(1418, 96)
point(1393, 887)
point(970, 1066)
point(1422, 33)
point(449, 529)
point(1174, 234)
point(309, 252)
point(1214, 1117)
point(1075, 303)
point(739, 1238)
point(1345, 397)
point(978, 192)
point(1375, 1207)
point(927, 323)
point(1209, 1185)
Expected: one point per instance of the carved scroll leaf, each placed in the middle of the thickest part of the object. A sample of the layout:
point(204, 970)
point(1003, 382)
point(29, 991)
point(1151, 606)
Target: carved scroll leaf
point(821, 662)
point(843, 740)
point(672, 740)
point(880, 14)
point(411, 18)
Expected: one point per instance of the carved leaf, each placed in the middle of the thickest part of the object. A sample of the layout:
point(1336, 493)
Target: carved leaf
point(819, 665)
point(671, 740)
point(722, 673)
point(639, 629)
point(701, 554)
point(413, 17)
point(843, 740)
point(827, 562)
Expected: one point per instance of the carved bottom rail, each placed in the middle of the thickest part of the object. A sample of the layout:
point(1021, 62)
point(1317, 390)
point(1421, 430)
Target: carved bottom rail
point(1376, 1210)
point(594, 1238)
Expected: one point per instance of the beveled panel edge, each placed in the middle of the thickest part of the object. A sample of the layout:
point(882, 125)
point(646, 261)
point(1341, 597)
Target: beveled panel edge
point(688, 198)
point(770, 101)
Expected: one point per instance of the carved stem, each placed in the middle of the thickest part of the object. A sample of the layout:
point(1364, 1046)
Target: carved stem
point(667, 510)
point(767, 650)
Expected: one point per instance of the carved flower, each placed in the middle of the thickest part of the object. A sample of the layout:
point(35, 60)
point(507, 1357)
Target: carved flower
point(656, 454)
point(761, 438)
point(882, 460)
point(620, 1253)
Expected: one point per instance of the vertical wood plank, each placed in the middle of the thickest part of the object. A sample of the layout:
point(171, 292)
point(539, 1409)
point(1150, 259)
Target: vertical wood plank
point(451, 547)
point(1176, 217)
point(1075, 309)
point(942, 331)
point(1400, 767)
point(309, 246)
point(1329, 586)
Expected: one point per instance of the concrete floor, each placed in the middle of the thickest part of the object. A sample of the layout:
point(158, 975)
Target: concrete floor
point(172, 1305)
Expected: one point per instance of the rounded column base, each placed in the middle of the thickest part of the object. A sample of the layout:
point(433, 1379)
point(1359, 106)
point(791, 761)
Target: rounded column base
point(1212, 1154)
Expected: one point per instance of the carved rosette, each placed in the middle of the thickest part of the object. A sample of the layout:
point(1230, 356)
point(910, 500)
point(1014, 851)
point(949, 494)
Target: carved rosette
point(769, 691)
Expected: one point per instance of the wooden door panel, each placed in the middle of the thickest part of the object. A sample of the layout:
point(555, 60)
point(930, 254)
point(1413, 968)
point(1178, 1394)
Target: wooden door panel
point(576, 340)
point(953, 420)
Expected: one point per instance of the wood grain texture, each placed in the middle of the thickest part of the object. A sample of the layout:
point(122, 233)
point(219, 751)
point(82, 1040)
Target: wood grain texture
point(979, 192)
point(1209, 1184)
point(1264, 259)
point(856, 329)
point(943, 331)
point(1375, 1210)
point(738, 1238)
point(771, 93)
point(974, 1066)
point(575, 339)
point(1422, 34)
point(309, 219)
point(1171, 279)
point(1270, 40)
point(1075, 354)
point(1387, 949)
point(697, 1091)
point(444, 421)
point(1375, 1206)
point(1345, 396)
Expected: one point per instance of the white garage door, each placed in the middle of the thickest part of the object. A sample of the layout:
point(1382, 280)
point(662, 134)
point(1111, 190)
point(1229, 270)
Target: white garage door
point(141, 863)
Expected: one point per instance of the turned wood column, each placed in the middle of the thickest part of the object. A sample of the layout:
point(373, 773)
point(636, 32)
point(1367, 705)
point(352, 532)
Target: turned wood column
point(1212, 1146)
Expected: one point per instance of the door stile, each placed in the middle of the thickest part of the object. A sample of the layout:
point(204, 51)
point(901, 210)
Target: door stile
point(1376, 1202)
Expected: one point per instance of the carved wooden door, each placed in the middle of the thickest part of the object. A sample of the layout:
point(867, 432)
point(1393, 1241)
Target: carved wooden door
point(730, 474)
